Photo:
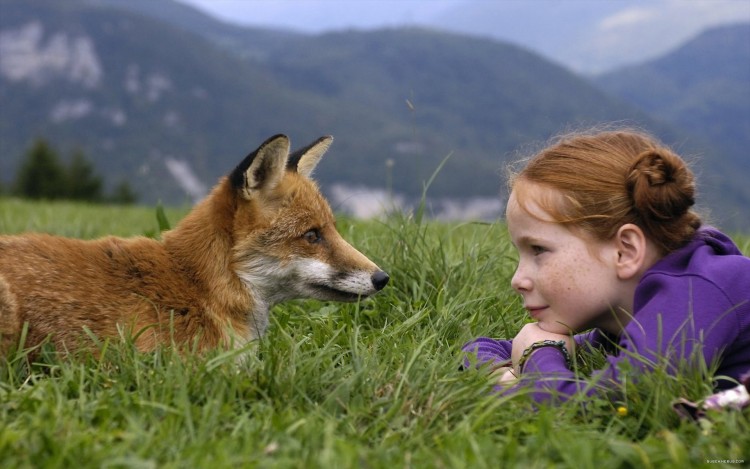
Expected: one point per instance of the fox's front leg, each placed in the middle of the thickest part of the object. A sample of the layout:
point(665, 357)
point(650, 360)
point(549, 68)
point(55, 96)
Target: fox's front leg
point(10, 323)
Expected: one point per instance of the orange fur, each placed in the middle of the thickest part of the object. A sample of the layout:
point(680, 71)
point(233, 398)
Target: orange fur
point(209, 282)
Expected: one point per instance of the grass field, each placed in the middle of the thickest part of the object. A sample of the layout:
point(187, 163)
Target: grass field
point(331, 385)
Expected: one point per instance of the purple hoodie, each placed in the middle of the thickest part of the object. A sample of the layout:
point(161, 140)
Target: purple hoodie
point(696, 296)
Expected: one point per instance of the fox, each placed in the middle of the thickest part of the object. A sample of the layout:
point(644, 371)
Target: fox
point(263, 235)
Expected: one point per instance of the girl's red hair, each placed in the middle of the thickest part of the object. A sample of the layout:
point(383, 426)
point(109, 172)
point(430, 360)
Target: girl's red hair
point(604, 180)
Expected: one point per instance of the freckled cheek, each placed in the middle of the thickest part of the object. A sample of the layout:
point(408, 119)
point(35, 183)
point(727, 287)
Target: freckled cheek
point(557, 283)
point(565, 278)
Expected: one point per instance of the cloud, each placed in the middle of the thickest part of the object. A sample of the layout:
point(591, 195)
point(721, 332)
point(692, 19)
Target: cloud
point(631, 17)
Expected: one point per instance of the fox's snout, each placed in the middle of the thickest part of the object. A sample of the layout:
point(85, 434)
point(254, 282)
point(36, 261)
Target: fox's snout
point(322, 280)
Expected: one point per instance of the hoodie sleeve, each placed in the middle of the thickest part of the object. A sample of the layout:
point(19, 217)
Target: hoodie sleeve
point(486, 350)
point(498, 352)
point(546, 363)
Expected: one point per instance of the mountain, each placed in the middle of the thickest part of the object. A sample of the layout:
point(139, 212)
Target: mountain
point(702, 87)
point(153, 90)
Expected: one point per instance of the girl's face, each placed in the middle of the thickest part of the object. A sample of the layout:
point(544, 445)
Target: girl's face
point(567, 279)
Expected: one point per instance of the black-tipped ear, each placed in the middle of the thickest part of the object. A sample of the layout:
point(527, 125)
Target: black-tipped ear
point(262, 168)
point(305, 159)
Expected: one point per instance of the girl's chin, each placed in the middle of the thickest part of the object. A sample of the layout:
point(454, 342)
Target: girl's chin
point(554, 328)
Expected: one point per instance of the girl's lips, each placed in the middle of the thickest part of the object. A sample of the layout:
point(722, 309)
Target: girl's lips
point(535, 311)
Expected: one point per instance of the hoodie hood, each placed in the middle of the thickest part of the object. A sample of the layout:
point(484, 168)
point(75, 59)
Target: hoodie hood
point(718, 241)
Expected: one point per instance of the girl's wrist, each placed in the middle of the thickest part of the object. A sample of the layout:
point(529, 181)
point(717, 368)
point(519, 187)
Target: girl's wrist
point(558, 344)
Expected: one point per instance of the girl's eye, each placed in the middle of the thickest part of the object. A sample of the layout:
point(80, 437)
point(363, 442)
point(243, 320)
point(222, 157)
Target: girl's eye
point(312, 236)
point(537, 250)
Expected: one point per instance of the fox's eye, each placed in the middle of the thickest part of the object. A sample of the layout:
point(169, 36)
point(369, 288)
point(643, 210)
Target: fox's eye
point(312, 236)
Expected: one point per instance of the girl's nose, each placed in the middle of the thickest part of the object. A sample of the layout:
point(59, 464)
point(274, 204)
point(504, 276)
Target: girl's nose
point(520, 281)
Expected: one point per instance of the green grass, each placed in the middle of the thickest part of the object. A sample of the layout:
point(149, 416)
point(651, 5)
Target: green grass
point(374, 384)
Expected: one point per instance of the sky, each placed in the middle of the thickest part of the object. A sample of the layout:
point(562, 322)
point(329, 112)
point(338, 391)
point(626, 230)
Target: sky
point(588, 36)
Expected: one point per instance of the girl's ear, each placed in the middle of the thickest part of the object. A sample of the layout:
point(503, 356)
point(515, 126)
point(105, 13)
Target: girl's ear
point(632, 251)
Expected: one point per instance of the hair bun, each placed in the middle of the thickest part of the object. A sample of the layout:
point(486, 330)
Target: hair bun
point(660, 185)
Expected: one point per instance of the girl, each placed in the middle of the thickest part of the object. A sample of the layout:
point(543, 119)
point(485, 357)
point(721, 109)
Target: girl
point(608, 242)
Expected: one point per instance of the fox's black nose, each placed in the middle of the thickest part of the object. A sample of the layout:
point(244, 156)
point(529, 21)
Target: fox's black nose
point(380, 279)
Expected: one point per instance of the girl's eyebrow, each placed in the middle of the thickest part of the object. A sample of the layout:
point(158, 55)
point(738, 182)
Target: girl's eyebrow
point(530, 240)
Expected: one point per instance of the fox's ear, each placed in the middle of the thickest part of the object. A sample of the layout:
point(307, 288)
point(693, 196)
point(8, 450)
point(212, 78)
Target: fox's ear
point(306, 159)
point(263, 168)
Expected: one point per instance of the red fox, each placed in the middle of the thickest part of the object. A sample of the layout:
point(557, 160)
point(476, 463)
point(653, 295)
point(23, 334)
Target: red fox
point(263, 235)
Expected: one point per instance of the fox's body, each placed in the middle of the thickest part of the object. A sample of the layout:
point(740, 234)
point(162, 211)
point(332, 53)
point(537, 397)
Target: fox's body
point(263, 235)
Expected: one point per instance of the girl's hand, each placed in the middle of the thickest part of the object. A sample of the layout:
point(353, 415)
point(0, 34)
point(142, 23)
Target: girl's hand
point(504, 375)
point(531, 333)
